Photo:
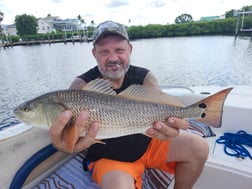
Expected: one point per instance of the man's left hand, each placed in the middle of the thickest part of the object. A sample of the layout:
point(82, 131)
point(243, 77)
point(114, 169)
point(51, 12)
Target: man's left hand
point(166, 130)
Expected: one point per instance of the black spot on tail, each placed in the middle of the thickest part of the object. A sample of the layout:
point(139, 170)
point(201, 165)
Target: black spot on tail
point(202, 105)
point(203, 115)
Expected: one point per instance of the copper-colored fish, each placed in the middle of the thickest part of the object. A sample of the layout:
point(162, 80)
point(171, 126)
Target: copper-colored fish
point(132, 111)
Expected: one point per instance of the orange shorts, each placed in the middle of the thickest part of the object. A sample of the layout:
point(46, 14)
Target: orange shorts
point(154, 157)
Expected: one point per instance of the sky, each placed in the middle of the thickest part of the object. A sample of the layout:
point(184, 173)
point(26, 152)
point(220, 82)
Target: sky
point(139, 12)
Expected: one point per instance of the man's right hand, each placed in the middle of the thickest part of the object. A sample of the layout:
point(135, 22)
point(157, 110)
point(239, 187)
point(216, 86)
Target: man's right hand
point(80, 143)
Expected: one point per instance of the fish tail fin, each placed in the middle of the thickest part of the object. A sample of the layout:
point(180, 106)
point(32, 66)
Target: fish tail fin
point(69, 137)
point(213, 106)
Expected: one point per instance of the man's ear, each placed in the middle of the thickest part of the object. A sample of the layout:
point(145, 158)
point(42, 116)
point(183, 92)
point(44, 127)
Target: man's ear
point(131, 48)
point(93, 52)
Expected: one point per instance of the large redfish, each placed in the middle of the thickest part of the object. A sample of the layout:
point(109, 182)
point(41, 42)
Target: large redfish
point(132, 111)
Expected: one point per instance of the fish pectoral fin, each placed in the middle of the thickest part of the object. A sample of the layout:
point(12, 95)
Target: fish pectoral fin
point(147, 135)
point(100, 86)
point(99, 141)
point(150, 94)
point(69, 137)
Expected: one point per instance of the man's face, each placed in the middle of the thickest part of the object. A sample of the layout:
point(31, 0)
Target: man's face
point(112, 54)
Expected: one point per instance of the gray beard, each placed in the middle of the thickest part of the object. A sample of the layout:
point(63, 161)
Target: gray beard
point(112, 76)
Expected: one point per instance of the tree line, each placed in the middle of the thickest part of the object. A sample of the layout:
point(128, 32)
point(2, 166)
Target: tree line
point(185, 26)
point(216, 27)
point(26, 26)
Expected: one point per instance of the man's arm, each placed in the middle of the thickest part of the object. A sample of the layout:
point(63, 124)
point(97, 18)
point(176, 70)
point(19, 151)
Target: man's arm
point(77, 83)
point(150, 80)
point(169, 128)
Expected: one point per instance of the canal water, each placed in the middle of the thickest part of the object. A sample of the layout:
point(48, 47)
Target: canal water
point(28, 71)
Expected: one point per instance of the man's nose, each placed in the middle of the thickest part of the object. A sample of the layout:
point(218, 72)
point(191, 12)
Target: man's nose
point(113, 57)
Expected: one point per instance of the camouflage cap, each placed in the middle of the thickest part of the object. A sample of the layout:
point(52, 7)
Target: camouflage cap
point(110, 27)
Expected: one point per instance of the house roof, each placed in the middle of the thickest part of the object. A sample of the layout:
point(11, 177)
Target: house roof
point(209, 18)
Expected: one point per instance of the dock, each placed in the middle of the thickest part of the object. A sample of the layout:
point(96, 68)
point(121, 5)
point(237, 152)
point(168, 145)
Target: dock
point(39, 42)
point(240, 27)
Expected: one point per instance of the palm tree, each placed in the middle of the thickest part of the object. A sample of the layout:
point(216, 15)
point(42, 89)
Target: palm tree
point(1, 19)
point(82, 24)
point(1, 16)
point(92, 23)
point(82, 21)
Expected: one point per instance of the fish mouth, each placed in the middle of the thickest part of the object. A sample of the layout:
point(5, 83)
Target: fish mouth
point(20, 110)
point(16, 111)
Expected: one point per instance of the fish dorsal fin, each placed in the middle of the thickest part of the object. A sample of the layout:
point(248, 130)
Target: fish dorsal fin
point(100, 86)
point(150, 94)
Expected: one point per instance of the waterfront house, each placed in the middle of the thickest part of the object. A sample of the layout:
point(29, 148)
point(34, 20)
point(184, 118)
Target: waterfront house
point(44, 26)
point(11, 30)
point(211, 18)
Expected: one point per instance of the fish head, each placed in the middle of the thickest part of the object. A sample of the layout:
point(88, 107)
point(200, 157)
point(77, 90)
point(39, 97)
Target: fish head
point(31, 112)
point(40, 112)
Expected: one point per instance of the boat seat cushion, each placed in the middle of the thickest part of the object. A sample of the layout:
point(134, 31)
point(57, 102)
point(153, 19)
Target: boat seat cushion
point(72, 175)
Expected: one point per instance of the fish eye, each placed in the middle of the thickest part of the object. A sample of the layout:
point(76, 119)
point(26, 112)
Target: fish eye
point(26, 109)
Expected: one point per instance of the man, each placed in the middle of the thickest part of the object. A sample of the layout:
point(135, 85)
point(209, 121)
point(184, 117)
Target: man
point(121, 161)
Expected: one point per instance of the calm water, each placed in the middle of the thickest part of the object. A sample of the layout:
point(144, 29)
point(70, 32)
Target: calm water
point(28, 71)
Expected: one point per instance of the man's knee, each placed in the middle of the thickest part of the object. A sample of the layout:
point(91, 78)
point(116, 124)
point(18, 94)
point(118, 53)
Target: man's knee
point(188, 147)
point(117, 179)
point(200, 148)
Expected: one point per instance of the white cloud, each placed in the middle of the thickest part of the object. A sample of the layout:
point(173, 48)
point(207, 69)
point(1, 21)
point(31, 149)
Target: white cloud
point(139, 12)
point(117, 3)
point(156, 3)
point(57, 1)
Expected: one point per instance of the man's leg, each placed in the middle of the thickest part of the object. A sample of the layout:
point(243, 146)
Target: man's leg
point(190, 153)
point(117, 179)
point(111, 174)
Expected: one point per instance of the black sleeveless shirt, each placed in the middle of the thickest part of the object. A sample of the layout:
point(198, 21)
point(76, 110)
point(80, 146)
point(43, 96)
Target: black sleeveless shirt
point(126, 148)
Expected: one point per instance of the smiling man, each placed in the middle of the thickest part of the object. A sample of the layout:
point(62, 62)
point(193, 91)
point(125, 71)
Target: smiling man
point(121, 162)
